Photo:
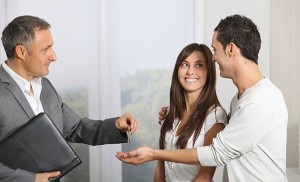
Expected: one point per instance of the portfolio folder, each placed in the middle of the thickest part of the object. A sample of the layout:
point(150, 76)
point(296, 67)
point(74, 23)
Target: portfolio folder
point(38, 146)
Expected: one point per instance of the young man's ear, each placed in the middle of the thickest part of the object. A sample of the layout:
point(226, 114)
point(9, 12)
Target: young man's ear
point(231, 48)
point(20, 51)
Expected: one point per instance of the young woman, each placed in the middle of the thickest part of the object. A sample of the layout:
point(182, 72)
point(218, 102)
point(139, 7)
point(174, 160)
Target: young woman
point(195, 114)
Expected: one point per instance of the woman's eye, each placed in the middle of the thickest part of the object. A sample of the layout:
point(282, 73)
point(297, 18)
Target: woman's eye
point(199, 65)
point(184, 65)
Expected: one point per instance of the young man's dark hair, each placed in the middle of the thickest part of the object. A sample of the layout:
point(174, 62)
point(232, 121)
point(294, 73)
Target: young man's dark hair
point(241, 31)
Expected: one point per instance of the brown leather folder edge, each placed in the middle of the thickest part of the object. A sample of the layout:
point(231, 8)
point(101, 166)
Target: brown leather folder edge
point(38, 146)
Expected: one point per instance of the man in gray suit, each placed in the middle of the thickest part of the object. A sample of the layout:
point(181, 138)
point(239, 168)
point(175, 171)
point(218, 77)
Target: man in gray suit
point(25, 92)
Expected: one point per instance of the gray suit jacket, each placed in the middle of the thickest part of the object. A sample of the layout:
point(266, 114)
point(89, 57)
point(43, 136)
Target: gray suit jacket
point(15, 111)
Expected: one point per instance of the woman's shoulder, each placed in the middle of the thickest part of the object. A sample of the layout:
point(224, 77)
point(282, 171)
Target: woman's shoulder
point(217, 114)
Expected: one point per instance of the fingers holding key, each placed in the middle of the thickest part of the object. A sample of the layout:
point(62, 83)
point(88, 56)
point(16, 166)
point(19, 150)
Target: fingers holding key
point(126, 123)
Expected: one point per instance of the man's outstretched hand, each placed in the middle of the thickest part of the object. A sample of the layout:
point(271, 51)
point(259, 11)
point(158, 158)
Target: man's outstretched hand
point(138, 156)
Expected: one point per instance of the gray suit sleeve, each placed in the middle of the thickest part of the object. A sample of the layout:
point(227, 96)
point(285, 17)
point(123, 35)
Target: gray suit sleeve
point(9, 175)
point(88, 131)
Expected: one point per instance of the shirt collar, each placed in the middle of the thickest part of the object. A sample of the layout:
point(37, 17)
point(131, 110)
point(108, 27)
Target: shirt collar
point(23, 83)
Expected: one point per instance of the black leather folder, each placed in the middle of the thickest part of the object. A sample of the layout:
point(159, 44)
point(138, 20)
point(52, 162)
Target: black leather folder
point(38, 146)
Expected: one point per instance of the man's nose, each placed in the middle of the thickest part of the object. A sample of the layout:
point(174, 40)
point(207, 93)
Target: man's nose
point(213, 58)
point(53, 56)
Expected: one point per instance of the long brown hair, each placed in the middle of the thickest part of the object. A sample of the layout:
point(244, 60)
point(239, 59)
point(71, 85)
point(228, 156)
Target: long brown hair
point(206, 100)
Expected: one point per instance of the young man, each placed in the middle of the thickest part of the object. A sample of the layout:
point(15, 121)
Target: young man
point(25, 92)
point(253, 145)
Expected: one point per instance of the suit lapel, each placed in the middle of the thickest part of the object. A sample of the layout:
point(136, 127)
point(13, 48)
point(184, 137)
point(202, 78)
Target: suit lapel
point(16, 92)
point(44, 100)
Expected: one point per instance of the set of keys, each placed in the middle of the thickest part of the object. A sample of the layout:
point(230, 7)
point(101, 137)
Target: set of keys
point(128, 135)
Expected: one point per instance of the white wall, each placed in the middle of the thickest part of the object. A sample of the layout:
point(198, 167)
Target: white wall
point(285, 65)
